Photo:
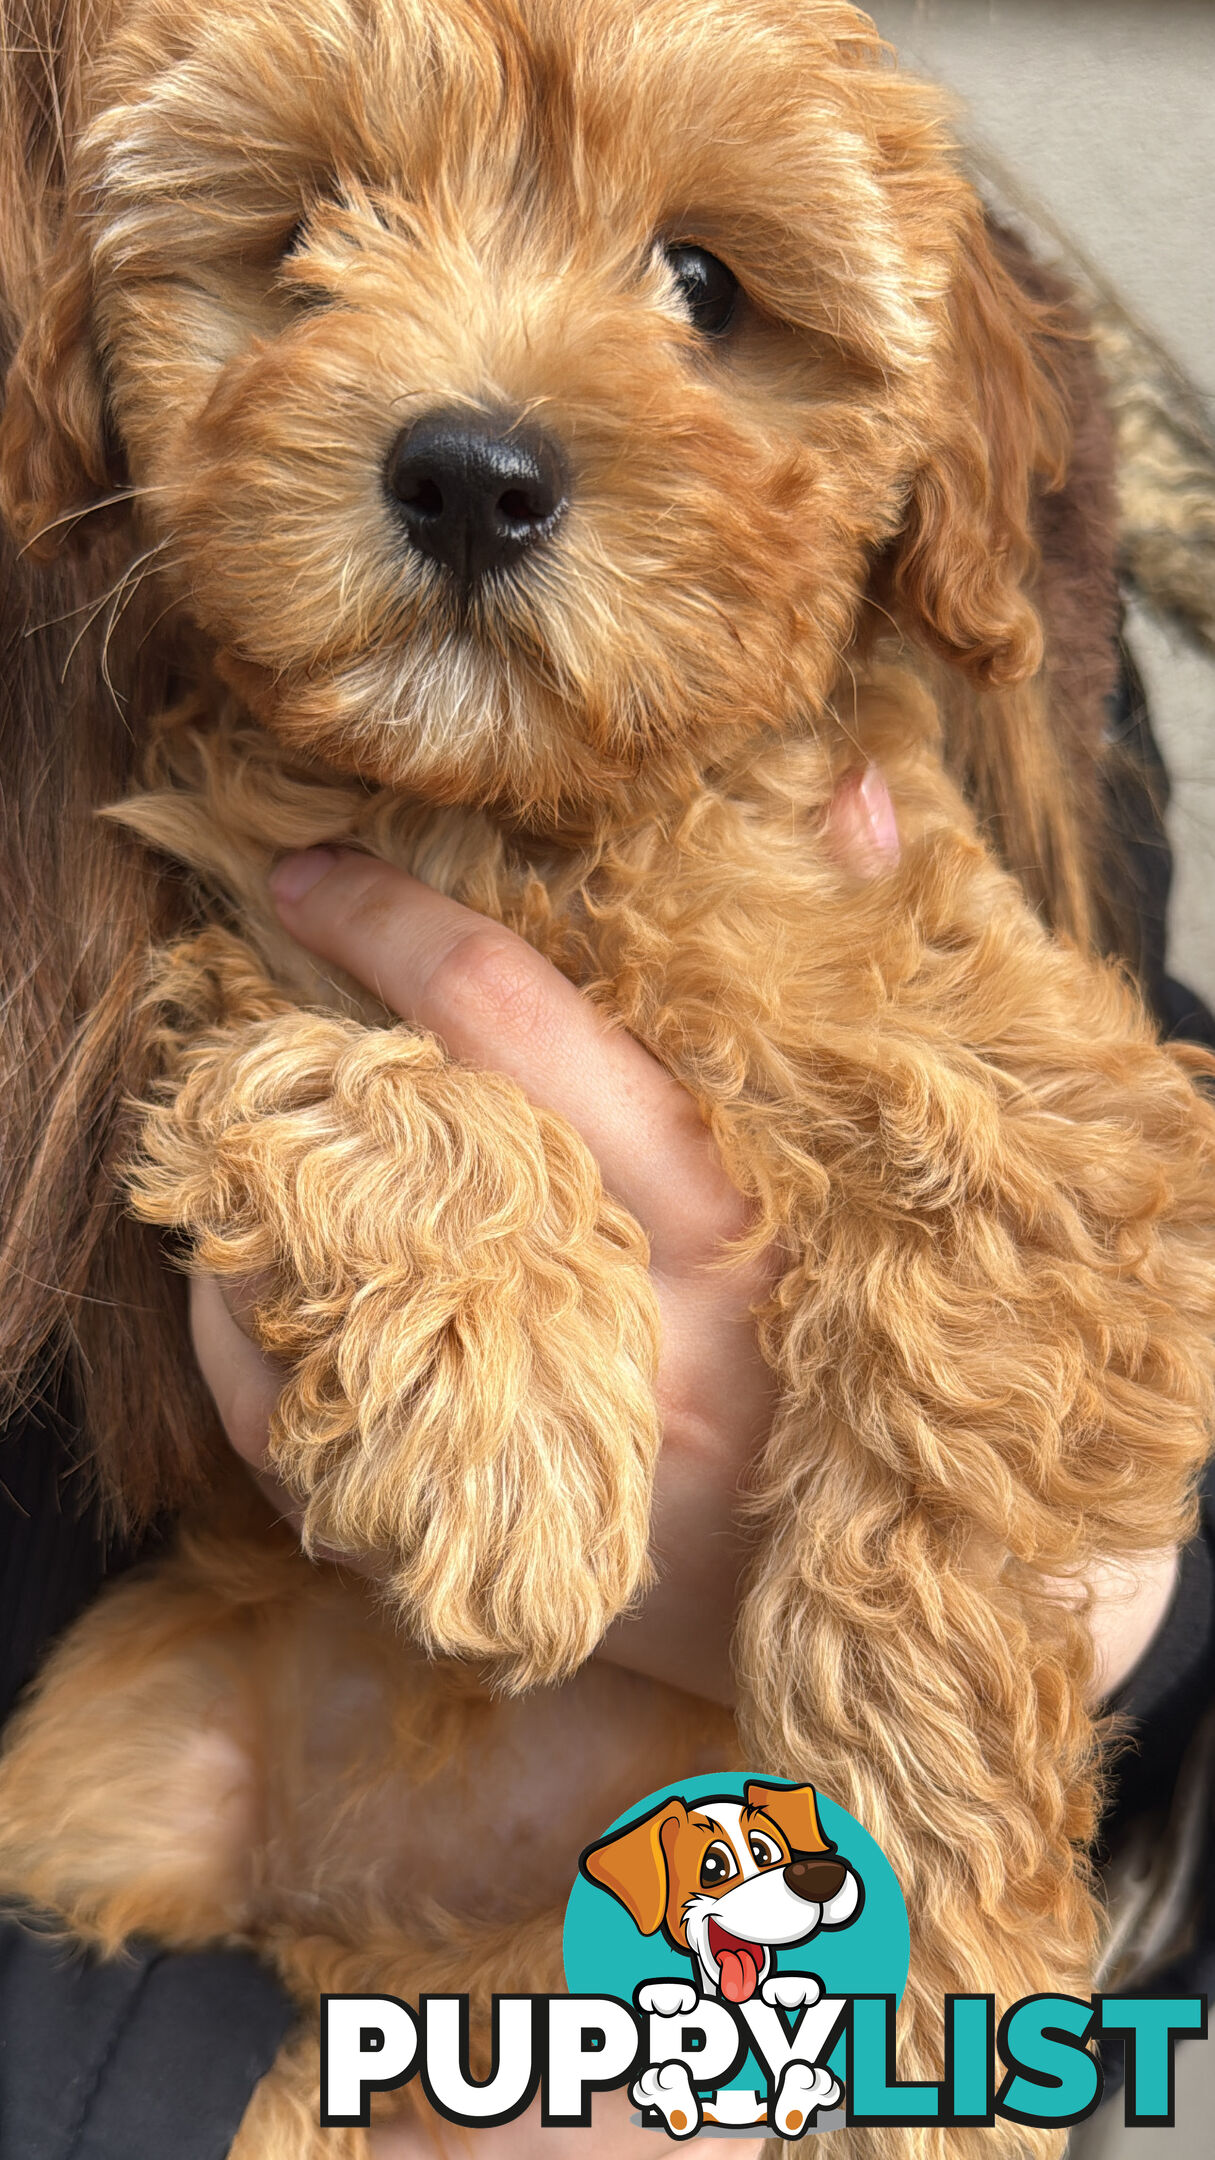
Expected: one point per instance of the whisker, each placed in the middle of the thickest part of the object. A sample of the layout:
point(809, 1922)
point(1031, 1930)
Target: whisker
point(166, 610)
point(75, 517)
point(113, 594)
point(122, 601)
point(880, 610)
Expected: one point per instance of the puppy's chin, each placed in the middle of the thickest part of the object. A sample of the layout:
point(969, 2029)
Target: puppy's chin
point(452, 722)
point(460, 713)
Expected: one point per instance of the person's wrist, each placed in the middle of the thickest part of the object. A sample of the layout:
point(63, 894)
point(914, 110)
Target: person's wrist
point(1129, 1605)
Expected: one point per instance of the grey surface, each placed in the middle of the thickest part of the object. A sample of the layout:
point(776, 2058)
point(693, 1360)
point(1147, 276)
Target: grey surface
point(1105, 2136)
point(1106, 110)
point(1102, 113)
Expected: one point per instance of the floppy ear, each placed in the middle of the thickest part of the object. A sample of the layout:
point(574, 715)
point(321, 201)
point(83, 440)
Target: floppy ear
point(794, 1810)
point(632, 1865)
point(965, 564)
point(54, 453)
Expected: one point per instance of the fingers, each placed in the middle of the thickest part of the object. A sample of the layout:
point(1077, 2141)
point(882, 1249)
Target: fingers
point(245, 1385)
point(497, 1004)
point(1127, 1602)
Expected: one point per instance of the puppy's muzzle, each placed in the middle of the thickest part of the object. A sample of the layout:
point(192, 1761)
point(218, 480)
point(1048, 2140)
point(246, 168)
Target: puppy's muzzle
point(475, 495)
point(818, 1881)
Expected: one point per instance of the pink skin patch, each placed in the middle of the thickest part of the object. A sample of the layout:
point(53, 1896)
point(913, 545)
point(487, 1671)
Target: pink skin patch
point(738, 1963)
point(862, 831)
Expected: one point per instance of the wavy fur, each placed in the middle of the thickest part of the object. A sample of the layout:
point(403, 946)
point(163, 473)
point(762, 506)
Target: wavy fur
point(992, 1190)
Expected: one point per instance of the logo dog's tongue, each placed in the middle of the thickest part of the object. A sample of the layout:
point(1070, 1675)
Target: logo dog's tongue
point(737, 1962)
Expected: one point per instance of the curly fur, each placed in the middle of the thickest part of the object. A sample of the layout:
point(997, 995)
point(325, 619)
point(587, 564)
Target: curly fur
point(458, 1302)
point(991, 1190)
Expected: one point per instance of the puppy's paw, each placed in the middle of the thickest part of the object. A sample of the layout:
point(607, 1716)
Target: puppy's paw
point(668, 2088)
point(467, 1318)
point(800, 2095)
point(791, 1991)
point(667, 1998)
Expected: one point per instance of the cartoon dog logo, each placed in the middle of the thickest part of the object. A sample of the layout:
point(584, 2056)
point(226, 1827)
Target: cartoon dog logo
point(729, 1882)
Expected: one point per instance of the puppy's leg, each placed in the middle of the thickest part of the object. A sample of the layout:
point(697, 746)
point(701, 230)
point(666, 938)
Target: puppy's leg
point(130, 1786)
point(281, 2121)
point(133, 1794)
point(445, 1955)
point(998, 1371)
point(467, 1318)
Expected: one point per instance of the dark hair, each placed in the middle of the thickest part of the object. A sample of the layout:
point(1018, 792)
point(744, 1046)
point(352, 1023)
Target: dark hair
point(84, 1292)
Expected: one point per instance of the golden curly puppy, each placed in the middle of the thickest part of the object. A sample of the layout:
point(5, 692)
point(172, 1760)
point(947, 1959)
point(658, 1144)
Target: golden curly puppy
point(567, 437)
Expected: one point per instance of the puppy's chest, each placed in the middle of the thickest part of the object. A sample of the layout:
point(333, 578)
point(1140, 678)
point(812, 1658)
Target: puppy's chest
point(696, 931)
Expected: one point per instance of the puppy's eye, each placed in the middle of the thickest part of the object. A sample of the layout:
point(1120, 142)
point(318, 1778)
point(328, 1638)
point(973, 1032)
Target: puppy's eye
point(716, 1867)
point(708, 289)
point(763, 1851)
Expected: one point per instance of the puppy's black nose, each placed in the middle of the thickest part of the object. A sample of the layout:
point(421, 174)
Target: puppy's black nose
point(473, 494)
point(816, 1880)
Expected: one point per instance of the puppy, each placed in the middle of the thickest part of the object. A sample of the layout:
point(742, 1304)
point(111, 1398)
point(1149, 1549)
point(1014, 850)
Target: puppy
point(552, 443)
point(729, 1881)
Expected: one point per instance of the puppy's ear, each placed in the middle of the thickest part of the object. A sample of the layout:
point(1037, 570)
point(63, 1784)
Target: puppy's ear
point(794, 1810)
point(632, 1865)
point(965, 563)
point(55, 457)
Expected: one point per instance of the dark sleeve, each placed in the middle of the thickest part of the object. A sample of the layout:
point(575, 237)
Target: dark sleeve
point(1164, 1699)
point(54, 1552)
point(131, 2058)
point(150, 2056)
point(1137, 871)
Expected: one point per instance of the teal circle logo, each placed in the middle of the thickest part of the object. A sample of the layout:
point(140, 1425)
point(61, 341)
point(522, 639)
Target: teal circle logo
point(749, 1892)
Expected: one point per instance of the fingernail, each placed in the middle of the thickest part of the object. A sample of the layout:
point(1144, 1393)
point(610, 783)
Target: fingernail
point(879, 814)
point(296, 874)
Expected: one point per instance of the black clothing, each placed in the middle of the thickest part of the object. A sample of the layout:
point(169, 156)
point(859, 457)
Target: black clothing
point(1138, 869)
point(1164, 1698)
point(145, 2057)
point(151, 2056)
point(54, 1555)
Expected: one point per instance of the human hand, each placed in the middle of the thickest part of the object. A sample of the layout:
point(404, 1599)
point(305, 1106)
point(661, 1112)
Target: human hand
point(496, 1003)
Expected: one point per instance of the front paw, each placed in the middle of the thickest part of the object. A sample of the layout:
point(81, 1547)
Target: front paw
point(802, 2092)
point(791, 1991)
point(667, 1998)
point(667, 2088)
point(468, 1320)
